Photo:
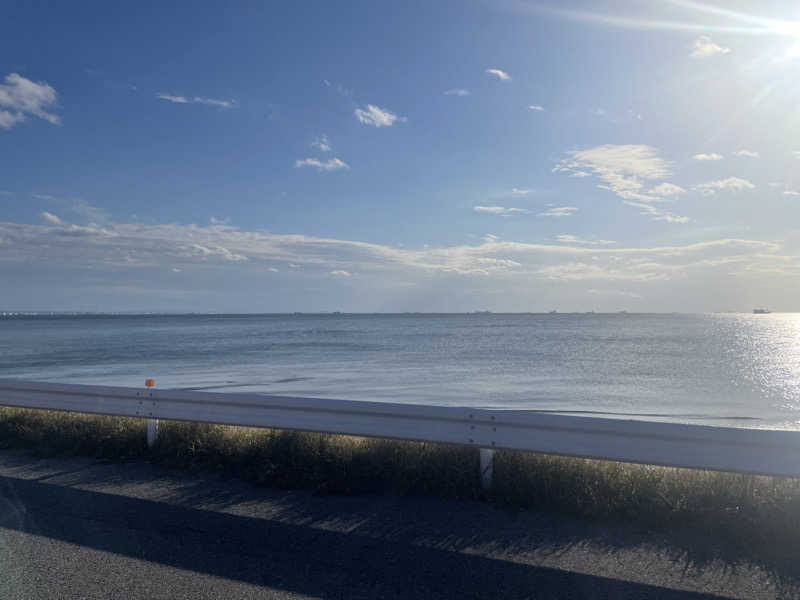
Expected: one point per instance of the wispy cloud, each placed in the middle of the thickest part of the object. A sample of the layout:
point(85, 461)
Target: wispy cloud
point(614, 163)
point(791, 193)
point(89, 213)
point(602, 113)
point(49, 218)
point(125, 246)
point(377, 117)
point(624, 170)
point(174, 99)
point(568, 238)
point(656, 213)
point(747, 153)
point(710, 156)
point(340, 273)
point(558, 211)
point(332, 164)
point(21, 98)
point(500, 74)
point(322, 143)
point(666, 189)
point(733, 184)
point(196, 100)
point(704, 47)
point(536, 107)
point(499, 210)
point(519, 192)
point(457, 92)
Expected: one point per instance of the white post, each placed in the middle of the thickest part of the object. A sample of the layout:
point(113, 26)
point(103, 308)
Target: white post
point(152, 432)
point(152, 424)
point(487, 467)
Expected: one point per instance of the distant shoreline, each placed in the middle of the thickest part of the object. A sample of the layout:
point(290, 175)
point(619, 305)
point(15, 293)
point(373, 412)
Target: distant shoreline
point(23, 313)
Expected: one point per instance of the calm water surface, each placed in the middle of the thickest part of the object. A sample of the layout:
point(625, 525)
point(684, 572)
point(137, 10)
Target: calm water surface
point(732, 369)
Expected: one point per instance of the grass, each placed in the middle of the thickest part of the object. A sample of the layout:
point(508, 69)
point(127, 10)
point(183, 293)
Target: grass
point(749, 517)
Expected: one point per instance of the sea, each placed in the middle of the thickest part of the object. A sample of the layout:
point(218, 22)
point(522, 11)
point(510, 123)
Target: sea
point(739, 370)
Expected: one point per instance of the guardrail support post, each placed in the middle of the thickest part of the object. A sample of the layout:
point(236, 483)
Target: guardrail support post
point(152, 424)
point(152, 432)
point(487, 467)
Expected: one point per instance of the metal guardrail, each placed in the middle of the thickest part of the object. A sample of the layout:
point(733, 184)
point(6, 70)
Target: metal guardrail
point(758, 451)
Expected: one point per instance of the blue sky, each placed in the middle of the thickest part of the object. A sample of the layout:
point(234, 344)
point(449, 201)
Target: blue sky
point(443, 156)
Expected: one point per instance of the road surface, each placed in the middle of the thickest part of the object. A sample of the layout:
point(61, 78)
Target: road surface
point(79, 528)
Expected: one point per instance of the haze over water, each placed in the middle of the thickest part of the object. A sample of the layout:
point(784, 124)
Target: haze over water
point(721, 369)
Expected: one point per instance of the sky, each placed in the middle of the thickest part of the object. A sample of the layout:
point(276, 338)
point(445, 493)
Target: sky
point(445, 156)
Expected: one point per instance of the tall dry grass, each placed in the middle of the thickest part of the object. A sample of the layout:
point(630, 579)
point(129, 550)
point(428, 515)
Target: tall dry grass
point(745, 514)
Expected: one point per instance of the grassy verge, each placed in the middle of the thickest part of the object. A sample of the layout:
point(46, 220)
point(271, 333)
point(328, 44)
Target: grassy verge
point(750, 517)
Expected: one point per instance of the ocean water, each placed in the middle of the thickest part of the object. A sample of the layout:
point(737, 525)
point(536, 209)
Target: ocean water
point(720, 369)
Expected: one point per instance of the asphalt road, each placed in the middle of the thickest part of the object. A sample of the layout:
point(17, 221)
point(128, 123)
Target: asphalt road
point(82, 529)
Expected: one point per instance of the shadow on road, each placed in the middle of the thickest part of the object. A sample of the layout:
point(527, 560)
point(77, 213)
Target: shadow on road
point(292, 557)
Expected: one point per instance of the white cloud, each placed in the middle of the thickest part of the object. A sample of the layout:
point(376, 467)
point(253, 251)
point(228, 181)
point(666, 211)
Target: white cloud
point(704, 47)
point(612, 162)
point(377, 117)
point(666, 189)
point(501, 75)
point(21, 97)
point(216, 221)
point(9, 119)
point(796, 153)
point(94, 215)
point(173, 99)
point(215, 252)
point(457, 92)
point(322, 143)
point(499, 210)
point(118, 249)
point(273, 270)
point(332, 164)
point(747, 153)
point(734, 184)
point(567, 238)
point(711, 156)
point(536, 107)
point(623, 170)
point(791, 193)
point(49, 218)
point(215, 102)
point(655, 213)
point(340, 273)
point(559, 211)
point(490, 238)
point(520, 192)
point(196, 100)
point(176, 270)
point(497, 262)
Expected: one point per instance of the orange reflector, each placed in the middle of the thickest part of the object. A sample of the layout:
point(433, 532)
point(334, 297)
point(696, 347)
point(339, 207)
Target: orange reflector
point(150, 382)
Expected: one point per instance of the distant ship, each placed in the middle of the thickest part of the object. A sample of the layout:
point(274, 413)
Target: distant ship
point(552, 312)
point(482, 312)
point(761, 311)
